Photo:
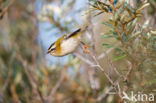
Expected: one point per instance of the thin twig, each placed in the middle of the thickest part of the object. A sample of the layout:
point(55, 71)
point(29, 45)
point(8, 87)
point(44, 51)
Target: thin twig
point(58, 84)
point(14, 94)
point(102, 55)
point(113, 67)
point(5, 9)
point(129, 71)
point(101, 97)
point(84, 59)
point(31, 79)
point(2, 94)
point(99, 66)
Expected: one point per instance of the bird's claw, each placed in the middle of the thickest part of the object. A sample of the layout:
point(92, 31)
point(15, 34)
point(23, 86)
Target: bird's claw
point(85, 50)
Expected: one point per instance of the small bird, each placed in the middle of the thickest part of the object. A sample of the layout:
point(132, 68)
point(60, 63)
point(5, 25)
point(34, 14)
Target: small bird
point(67, 43)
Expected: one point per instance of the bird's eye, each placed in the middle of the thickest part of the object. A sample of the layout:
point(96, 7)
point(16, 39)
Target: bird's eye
point(52, 49)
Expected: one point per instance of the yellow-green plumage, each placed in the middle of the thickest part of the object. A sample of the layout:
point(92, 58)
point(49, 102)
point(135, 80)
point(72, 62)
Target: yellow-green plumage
point(58, 44)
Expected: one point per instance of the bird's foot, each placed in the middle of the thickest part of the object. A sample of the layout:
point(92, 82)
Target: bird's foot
point(85, 50)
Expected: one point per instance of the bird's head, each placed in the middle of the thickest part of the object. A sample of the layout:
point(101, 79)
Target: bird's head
point(52, 49)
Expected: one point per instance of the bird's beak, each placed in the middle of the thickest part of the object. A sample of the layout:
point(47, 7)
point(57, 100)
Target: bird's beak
point(48, 51)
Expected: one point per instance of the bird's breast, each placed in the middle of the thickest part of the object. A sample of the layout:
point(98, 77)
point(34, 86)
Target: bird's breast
point(69, 45)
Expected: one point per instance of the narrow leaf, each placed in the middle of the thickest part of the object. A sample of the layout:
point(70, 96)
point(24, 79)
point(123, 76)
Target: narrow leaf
point(119, 57)
point(107, 45)
point(107, 36)
point(108, 24)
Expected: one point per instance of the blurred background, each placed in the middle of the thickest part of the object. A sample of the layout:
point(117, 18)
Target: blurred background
point(114, 64)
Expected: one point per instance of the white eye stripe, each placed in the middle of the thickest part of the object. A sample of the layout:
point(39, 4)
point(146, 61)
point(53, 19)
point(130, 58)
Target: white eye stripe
point(52, 47)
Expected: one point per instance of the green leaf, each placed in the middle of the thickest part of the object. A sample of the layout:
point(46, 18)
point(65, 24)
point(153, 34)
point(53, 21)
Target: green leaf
point(107, 45)
point(119, 57)
point(108, 24)
point(107, 36)
point(132, 26)
point(6, 3)
point(115, 34)
point(110, 34)
point(124, 37)
point(118, 49)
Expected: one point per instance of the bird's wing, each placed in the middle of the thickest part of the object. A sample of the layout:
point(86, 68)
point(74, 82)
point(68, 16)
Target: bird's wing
point(73, 34)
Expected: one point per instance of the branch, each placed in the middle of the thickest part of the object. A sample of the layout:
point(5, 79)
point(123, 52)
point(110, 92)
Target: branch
point(101, 97)
point(30, 78)
point(96, 64)
point(84, 59)
point(58, 84)
point(129, 71)
point(99, 66)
